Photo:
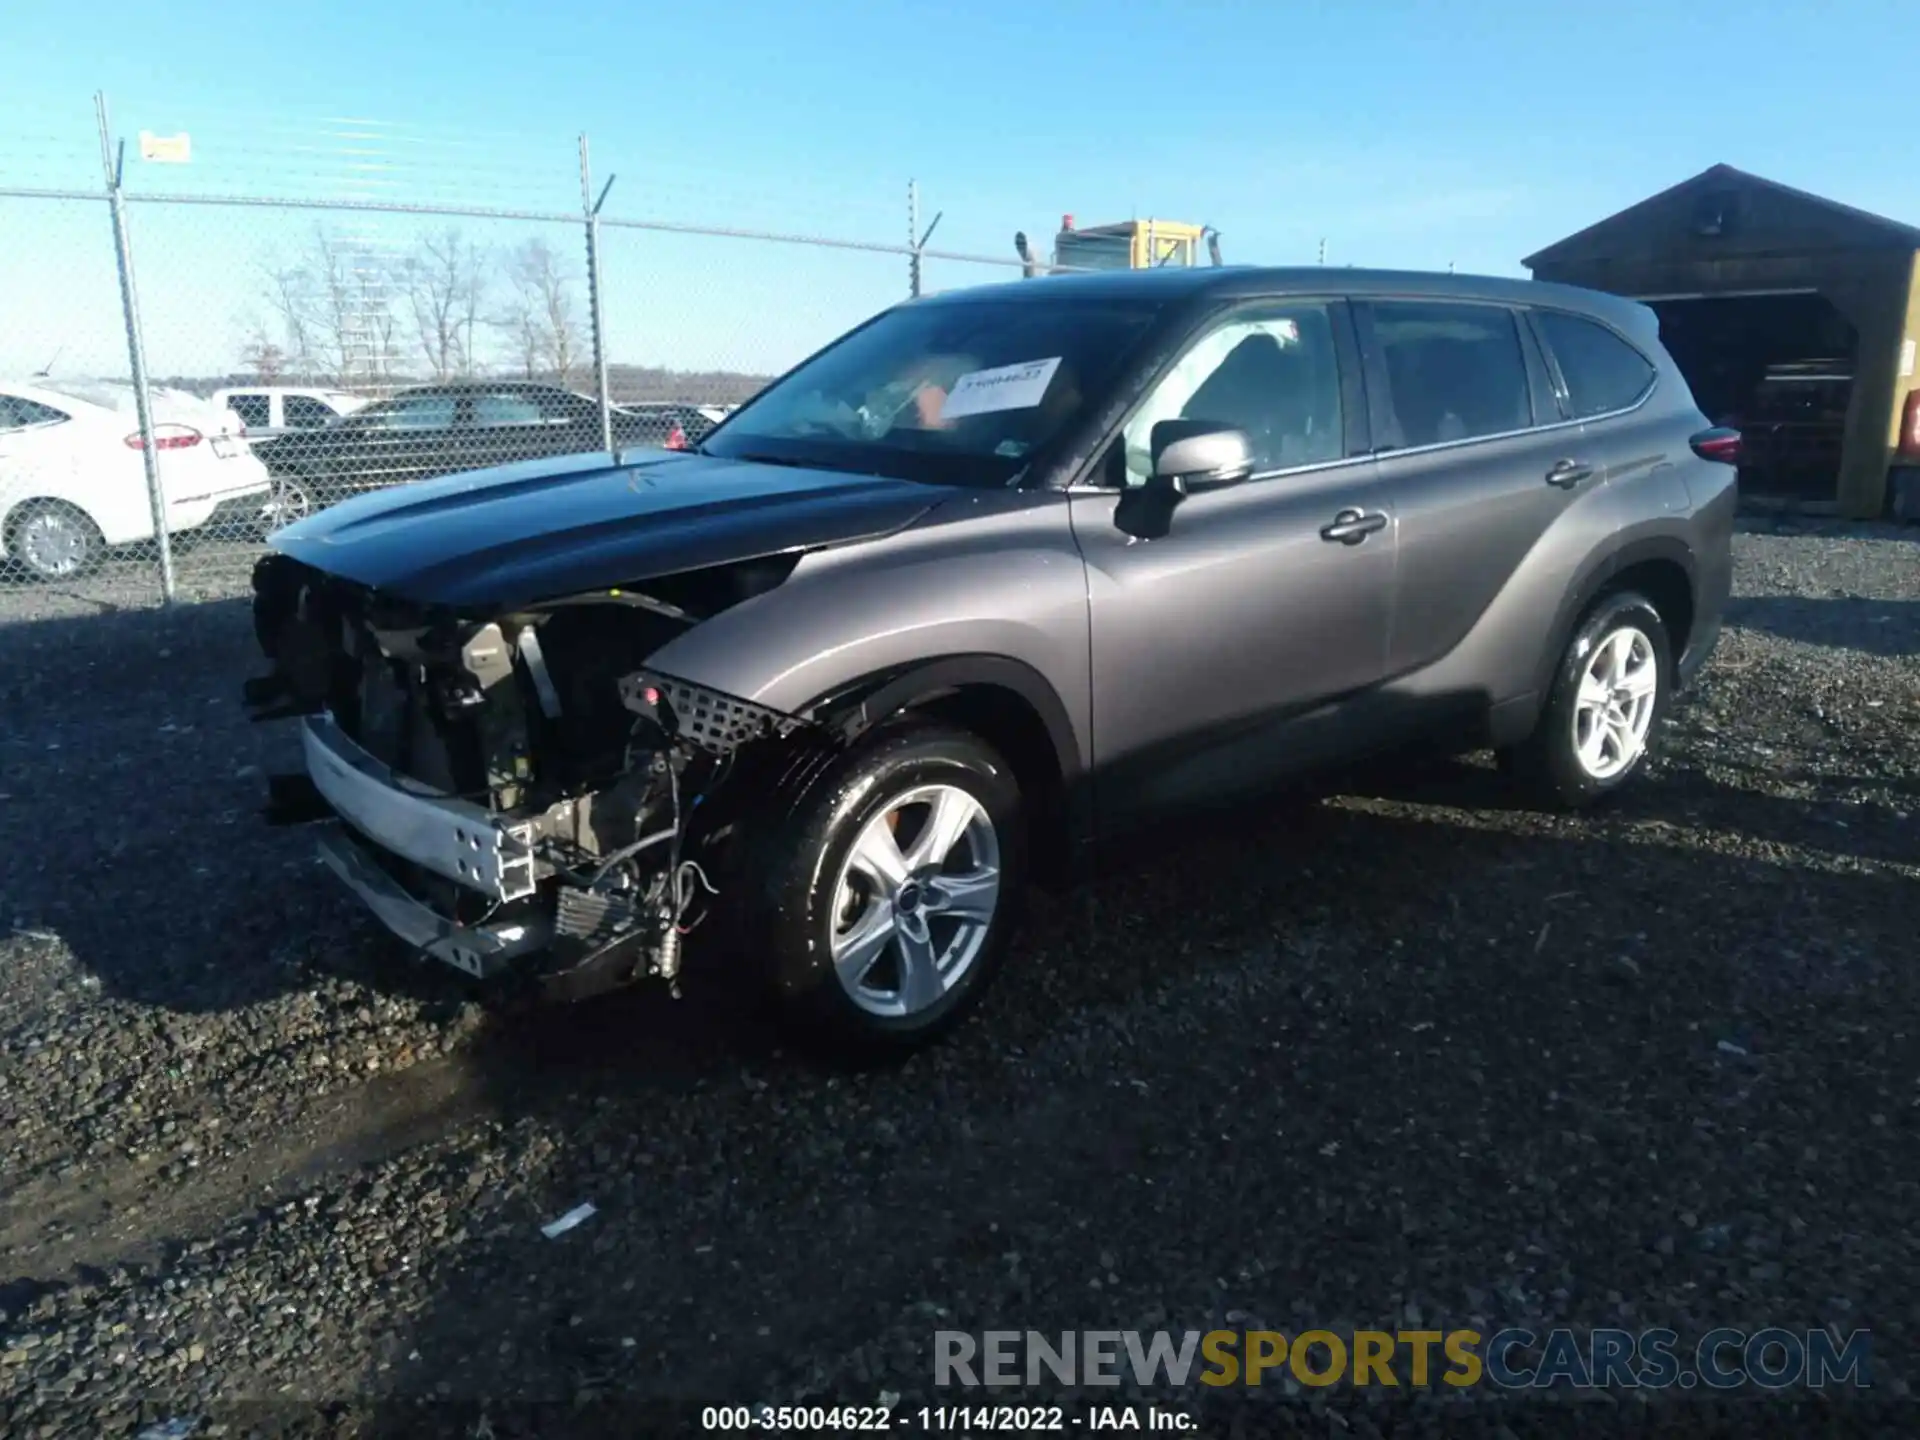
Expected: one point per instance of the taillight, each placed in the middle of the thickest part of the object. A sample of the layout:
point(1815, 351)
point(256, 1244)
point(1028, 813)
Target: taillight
point(166, 437)
point(1910, 427)
point(676, 438)
point(1720, 444)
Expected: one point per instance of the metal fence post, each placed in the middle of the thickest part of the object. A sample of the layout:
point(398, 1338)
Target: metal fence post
point(913, 238)
point(594, 293)
point(112, 160)
point(916, 240)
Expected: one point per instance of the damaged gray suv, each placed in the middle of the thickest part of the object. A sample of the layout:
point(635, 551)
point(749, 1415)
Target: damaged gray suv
point(994, 575)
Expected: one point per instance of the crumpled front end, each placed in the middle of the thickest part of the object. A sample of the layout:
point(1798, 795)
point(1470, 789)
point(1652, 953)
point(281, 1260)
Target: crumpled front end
point(519, 795)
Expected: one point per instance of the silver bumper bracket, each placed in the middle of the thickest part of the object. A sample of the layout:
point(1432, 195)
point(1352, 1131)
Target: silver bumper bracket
point(480, 950)
point(450, 837)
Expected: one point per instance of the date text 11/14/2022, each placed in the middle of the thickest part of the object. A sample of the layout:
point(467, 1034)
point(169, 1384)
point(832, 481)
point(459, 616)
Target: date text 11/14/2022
point(945, 1419)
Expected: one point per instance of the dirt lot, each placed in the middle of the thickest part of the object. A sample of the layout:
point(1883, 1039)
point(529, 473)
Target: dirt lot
point(1397, 1055)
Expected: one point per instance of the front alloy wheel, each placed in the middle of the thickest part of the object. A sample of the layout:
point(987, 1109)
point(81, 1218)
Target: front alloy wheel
point(916, 900)
point(889, 894)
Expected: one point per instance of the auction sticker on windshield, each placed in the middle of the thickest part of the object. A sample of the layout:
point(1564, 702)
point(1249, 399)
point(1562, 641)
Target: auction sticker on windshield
point(1005, 387)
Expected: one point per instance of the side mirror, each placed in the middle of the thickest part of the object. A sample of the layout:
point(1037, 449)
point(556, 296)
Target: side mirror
point(1194, 455)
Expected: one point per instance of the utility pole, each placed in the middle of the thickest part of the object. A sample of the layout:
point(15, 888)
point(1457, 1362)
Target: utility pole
point(1323, 249)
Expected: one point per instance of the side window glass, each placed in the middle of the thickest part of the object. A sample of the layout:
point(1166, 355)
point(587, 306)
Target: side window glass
point(255, 411)
point(421, 412)
point(1602, 371)
point(306, 413)
point(1275, 375)
point(17, 413)
point(1454, 372)
point(491, 410)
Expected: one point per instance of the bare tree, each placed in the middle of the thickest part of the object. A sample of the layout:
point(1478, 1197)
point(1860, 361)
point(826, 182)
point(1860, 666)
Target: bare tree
point(539, 322)
point(286, 295)
point(266, 360)
point(445, 281)
point(336, 308)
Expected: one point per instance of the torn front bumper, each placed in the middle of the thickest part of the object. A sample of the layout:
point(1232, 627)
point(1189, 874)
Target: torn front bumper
point(381, 817)
point(588, 893)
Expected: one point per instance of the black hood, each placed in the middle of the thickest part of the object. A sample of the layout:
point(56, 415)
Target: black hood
point(501, 538)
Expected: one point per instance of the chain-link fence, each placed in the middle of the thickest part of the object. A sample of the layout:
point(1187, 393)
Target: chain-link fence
point(206, 340)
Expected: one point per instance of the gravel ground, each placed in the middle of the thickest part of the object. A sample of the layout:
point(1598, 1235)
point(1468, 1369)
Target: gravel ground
point(1391, 1055)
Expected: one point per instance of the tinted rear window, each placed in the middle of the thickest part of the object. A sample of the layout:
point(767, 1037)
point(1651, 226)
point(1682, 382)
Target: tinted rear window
point(1454, 372)
point(1602, 371)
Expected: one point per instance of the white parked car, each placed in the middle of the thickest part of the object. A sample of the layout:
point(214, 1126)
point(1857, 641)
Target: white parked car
point(73, 481)
point(271, 411)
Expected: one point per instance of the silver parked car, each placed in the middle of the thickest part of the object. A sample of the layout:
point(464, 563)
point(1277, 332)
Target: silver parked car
point(995, 574)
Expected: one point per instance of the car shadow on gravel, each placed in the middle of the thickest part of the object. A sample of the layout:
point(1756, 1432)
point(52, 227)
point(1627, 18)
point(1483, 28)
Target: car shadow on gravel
point(130, 842)
point(1352, 1061)
point(1872, 627)
point(1678, 793)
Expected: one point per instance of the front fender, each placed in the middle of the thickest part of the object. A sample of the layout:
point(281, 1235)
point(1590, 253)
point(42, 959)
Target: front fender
point(989, 579)
point(857, 708)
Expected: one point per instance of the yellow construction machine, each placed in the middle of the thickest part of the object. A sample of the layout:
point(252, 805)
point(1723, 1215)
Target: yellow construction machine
point(1129, 245)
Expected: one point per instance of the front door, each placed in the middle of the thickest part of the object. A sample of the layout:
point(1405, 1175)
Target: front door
point(1259, 604)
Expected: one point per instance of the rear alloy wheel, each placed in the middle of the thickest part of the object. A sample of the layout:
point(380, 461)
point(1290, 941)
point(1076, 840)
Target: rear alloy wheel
point(287, 502)
point(1613, 708)
point(53, 540)
point(1608, 698)
point(894, 891)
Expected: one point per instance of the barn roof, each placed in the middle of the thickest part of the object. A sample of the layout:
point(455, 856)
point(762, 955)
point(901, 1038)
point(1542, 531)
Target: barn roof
point(1812, 222)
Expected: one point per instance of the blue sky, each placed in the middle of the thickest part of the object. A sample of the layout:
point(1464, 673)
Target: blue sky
point(1405, 134)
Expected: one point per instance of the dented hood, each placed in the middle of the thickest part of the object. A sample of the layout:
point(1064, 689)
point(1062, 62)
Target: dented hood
point(517, 534)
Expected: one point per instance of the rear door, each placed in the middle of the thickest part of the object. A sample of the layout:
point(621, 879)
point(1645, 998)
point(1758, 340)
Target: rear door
point(1476, 455)
point(500, 427)
point(573, 422)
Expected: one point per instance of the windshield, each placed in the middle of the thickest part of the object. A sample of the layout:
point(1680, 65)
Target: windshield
point(951, 394)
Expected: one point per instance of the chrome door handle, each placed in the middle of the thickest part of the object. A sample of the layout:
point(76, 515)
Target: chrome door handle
point(1568, 473)
point(1351, 526)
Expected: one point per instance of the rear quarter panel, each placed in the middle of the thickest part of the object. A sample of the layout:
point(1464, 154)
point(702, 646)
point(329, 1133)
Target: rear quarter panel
point(1645, 505)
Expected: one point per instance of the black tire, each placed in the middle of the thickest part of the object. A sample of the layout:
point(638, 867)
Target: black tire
point(801, 868)
point(91, 544)
point(1548, 763)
